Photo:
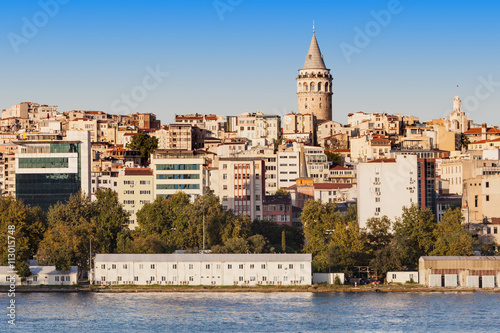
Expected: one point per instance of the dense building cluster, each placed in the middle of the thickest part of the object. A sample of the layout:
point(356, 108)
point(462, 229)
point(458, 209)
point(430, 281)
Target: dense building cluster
point(260, 165)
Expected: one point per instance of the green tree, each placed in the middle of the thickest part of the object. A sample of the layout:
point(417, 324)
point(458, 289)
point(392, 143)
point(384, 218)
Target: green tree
point(283, 241)
point(72, 225)
point(414, 235)
point(110, 218)
point(452, 239)
point(22, 226)
point(281, 191)
point(333, 239)
point(336, 158)
point(237, 245)
point(145, 144)
point(379, 234)
point(258, 244)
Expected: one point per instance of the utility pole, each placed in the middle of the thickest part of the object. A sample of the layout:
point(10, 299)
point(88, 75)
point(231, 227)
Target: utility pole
point(90, 260)
point(203, 227)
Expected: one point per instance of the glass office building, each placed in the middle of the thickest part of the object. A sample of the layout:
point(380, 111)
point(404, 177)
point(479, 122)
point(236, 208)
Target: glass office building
point(51, 171)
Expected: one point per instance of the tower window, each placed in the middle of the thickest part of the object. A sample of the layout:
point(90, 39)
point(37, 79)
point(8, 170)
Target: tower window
point(320, 105)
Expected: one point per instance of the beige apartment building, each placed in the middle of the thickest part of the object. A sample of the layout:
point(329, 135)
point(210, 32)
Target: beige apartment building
point(367, 148)
point(241, 185)
point(135, 189)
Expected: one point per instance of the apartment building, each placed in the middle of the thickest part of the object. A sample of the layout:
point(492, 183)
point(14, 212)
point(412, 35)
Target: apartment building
point(241, 185)
point(366, 148)
point(386, 186)
point(135, 189)
point(258, 126)
point(179, 170)
point(288, 164)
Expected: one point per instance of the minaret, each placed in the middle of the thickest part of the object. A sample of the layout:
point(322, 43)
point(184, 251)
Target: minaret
point(314, 84)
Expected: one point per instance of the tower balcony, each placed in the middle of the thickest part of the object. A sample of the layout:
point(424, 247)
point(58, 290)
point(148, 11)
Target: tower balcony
point(314, 75)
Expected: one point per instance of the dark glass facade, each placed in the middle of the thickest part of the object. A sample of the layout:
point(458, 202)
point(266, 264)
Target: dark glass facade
point(46, 189)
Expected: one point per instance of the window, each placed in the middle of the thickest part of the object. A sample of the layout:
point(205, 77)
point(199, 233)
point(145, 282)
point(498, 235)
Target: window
point(145, 182)
point(301, 266)
point(252, 278)
point(240, 279)
point(119, 278)
point(302, 279)
point(125, 266)
point(103, 266)
point(252, 266)
point(393, 276)
point(191, 278)
point(152, 266)
point(487, 198)
point(113, 266)
point(290, 266)
point(207, 266)
point(487, 184)
point(285, 278)
point(141, 266)
point(280, 266)
point(263, 266)
point(241, 266)
point(35, 277)
point(264, 278)
point(174, 266)
point(190, 266)
point(136, 278)
point(174, 278)
point(229, 266)
point(152, 278)
point(145, 192)
point(164, 278)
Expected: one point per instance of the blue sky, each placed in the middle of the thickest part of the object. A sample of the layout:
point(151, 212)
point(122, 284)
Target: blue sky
point(231, 56)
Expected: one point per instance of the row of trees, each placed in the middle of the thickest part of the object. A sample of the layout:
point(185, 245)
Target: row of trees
point(64, 236)
point(336, 241)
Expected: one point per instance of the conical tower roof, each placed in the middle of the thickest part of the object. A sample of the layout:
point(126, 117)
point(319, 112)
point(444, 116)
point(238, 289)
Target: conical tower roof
point(314, 58)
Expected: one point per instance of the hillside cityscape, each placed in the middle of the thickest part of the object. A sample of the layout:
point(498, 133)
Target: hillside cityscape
point(372, 196)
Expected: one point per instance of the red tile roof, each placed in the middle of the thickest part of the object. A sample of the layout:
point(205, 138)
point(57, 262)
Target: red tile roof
point(383, 160)
point(138, 172)
point(330, 186)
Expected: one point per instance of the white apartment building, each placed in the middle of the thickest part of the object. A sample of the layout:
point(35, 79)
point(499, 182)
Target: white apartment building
point(41, 275)
point(459, 170)
point(317, 163)
point(241, 185)
point(203, 269)
point(386, 186)
point(135, 189)
point(179, 170)
point(254, 126)
point(288, 168)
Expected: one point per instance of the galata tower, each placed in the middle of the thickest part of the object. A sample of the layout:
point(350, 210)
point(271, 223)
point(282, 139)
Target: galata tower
point(314, 85)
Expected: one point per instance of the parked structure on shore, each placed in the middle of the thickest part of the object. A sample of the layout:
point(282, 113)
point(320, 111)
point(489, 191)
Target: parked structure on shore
point(472, 272)
point(203, 269)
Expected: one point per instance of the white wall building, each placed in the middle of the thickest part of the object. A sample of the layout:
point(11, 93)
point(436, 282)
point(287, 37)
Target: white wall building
point(176, 171)
point(288, 168)
point(41, 275)
point(402, 277)
point(203, 269)
point(386, 186)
